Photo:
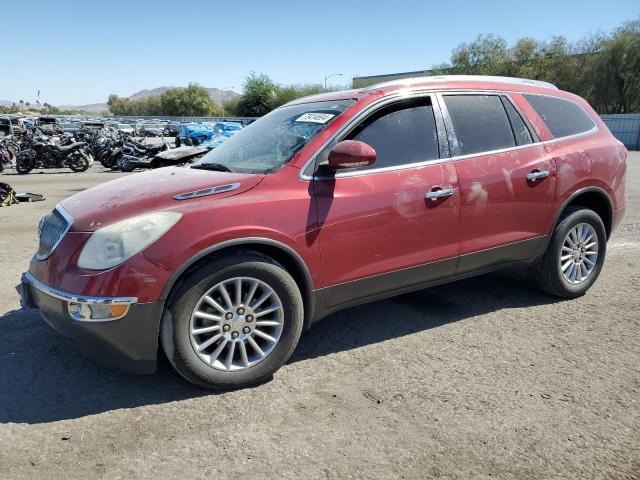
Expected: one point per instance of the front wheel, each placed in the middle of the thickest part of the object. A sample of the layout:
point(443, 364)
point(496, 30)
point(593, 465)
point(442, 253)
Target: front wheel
point(234, 322)
point(79, 163)
point(25, 162)
point(575, 255)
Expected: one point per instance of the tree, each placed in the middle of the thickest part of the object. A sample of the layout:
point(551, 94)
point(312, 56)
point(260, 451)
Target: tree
point(258, 97)
point(231, 107)
point(261, 94)
point(604, 69)
point(187, 102)
point(615, 71)
point(192, 101)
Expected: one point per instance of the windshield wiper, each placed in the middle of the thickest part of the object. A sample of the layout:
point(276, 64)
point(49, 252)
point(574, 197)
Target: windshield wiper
point(218, 167)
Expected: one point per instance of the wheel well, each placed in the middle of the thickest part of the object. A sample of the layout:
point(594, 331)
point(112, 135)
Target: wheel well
point(279, 255)
point(596, 201)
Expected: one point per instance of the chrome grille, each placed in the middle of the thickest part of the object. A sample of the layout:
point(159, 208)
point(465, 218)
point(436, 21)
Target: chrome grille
point(53, 227)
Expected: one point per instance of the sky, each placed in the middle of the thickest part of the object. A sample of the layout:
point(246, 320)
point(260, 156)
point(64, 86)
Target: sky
point(79, 52)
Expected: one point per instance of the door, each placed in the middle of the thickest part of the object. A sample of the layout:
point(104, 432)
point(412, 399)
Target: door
point(377, 230)
point(506, 180)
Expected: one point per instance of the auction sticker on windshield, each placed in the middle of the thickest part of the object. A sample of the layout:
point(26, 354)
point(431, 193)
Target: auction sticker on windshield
point(315, 117)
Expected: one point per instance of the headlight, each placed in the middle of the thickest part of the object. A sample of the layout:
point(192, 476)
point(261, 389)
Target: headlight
point(115, 243)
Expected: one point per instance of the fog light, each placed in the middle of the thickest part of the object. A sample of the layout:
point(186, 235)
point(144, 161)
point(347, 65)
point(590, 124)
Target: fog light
point(97, 311)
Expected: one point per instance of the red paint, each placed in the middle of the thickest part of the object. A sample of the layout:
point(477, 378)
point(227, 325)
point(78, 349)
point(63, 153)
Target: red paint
point(352, 227)
point(499, 205)
point(351, 154)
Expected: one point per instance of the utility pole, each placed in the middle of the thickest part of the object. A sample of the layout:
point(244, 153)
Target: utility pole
point(329, 76)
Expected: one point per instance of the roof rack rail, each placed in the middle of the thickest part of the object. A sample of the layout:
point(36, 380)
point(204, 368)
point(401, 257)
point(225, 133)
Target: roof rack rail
point(461, 78)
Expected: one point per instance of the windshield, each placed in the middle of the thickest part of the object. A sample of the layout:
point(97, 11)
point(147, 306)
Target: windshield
point(270, 142)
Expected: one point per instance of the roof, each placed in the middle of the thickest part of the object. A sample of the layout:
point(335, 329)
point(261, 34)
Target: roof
point(475, 82)
point(415, 81)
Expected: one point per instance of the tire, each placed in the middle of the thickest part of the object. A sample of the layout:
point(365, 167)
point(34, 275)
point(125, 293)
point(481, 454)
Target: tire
point(25, 163)
point(124, 166)
point(548, 272)
point(180, 345)
point(79, 163)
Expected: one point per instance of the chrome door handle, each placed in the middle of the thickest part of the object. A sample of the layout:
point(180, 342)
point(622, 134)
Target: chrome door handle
point(536, 175)
point(436, 194)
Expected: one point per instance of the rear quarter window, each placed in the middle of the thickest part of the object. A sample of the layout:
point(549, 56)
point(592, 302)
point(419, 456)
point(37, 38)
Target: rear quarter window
point(562, 117)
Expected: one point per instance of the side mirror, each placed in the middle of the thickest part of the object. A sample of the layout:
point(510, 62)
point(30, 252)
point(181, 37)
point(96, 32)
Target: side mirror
point(351, 154)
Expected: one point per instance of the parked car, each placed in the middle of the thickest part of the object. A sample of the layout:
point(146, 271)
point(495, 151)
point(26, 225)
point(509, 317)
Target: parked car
point(49, 125)
point(324, 203)
point(151, 130)
point(72, 127)
point(125, 128)
point(171, 129)
point(6, 129)
point(18, 125)
point(92, 125)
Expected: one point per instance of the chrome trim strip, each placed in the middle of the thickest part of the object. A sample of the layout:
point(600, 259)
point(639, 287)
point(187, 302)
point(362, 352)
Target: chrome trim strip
point(398, 95)
point(73, 298)
point(207, 191)
point(69, 220)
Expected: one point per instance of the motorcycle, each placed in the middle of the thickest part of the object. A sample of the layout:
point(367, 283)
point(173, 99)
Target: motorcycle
point(6, 156)
point(133, 154)
point(39, 151)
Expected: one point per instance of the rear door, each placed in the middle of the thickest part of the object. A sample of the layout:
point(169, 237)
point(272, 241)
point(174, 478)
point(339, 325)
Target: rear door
point(506, 177)
point(377, 230)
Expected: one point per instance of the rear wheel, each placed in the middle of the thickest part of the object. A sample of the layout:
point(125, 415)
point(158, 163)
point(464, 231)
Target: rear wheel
point(234, 322)
point(575, 255)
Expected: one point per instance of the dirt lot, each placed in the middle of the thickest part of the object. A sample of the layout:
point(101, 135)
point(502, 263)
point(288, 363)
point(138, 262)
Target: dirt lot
point(484, 378)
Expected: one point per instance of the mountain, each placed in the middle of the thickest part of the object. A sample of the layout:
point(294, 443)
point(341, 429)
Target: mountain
point(92, 107)
point(154, 92)
point(216, 95)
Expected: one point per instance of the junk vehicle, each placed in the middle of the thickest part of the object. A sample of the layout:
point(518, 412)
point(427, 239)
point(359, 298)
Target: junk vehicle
point(198, 133)
point(135, 154)
point(125, 128)
point(6, 155)
point(327, 202)
point(48, 125)
point(165, 158)
point(172, 128)
point(6, 129)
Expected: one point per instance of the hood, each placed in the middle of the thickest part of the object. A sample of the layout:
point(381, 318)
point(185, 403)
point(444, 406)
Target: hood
point(148, 191)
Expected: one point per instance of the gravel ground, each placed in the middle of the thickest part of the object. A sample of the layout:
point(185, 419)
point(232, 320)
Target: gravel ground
point(483, 378)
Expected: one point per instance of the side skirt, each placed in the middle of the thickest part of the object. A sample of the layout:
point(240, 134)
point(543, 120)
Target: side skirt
point(337, 297)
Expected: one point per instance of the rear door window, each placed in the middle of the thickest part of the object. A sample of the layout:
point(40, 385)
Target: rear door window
point(521, 132)
point(480, 123)
point(563, 117)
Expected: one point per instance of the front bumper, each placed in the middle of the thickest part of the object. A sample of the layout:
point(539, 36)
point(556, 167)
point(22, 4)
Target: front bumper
point(128, 342)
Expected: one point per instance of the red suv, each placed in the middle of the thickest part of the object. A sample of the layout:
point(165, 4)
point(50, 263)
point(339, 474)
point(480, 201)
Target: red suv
point(327, 202)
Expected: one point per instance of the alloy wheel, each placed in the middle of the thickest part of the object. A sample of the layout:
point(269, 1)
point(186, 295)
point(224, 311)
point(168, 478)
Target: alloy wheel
point(236, 324)
point(579, 254)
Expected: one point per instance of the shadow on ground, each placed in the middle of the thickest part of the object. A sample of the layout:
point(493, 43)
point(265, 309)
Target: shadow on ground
point(44, 378)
